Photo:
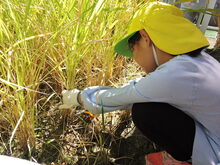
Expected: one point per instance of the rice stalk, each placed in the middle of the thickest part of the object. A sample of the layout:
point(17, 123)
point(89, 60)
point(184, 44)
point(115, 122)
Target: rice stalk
point(46, 46)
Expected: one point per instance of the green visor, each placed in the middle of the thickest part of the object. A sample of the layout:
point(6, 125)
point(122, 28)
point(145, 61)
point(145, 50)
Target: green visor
point(122, 47)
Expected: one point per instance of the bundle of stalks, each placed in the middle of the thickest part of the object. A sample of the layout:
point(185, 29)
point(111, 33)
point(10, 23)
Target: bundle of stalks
point(46, 46)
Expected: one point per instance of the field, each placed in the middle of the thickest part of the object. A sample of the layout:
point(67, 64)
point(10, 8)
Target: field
point(48, 46)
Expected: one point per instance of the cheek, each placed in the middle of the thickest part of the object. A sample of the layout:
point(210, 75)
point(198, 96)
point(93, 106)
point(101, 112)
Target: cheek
point(140, 56)
point(144, 59)
point(139, 59)
point(136, 57)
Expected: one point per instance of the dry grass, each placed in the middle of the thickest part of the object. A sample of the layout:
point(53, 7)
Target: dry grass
point(46, 46)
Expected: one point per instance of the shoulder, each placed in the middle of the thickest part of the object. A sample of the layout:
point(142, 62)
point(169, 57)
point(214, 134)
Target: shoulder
point(185, 65)
point(167, 80)
point(177, 68)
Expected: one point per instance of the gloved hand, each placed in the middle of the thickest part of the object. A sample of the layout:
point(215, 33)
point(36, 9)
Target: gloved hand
point(70, 98)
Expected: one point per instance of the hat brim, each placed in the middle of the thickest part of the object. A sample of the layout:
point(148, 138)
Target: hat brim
point(122, 47)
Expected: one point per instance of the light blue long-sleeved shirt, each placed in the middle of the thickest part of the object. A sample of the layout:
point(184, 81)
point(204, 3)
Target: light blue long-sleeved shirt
point(192, 84)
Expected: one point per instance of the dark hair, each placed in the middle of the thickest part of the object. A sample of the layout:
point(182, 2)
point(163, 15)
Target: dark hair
point(136, 37)
point(133, 40)
point(195, 53)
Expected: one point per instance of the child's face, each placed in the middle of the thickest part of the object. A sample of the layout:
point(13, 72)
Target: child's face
point(142, 54)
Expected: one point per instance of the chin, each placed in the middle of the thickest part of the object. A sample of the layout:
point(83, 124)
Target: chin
point(149, 70)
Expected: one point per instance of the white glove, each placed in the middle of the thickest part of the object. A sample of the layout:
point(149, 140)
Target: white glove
point(70, 98)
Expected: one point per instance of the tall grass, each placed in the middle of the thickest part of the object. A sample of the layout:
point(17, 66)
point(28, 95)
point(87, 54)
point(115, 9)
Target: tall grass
point(46, 46)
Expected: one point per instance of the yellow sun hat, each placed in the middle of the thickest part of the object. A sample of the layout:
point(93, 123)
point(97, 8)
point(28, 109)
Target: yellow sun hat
point(167, 28)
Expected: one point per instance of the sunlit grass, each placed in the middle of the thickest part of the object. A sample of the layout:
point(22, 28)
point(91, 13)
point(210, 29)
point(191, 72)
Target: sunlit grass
point(60, 44)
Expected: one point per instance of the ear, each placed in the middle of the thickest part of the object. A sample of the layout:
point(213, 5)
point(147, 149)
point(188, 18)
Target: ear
point(145, 36)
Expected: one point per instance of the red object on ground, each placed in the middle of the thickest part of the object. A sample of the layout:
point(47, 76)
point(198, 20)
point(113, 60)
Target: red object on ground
point(162, 158)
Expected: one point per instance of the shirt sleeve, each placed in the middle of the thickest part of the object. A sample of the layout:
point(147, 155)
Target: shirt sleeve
point(102, 98)
point(145, 89)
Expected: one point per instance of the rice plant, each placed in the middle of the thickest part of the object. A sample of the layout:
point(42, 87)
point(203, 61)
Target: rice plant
point(46, 46)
